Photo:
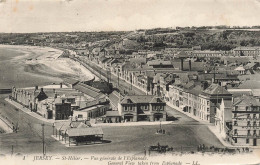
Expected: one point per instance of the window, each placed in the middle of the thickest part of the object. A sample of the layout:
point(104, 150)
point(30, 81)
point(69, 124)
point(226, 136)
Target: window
point(248, 116)
point(247, 108)
point(247, 141)
point(235, 115)
point(254, 132)
point(235, 123)
point(145, 107)
point(254, 116)
point(235, 140)
point(131, 108)
point(248, 132)
point(248, 123)
point(125, 108)
point(80, 116)
point(235, 131)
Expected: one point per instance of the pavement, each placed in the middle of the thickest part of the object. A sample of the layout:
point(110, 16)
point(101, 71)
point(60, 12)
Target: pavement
point(141, 123)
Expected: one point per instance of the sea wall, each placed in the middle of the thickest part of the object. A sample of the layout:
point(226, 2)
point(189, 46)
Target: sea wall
point(5, 126)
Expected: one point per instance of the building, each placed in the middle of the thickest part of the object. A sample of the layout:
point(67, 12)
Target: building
point(160, 64)
point(246, 51)
point(113, 117)
point(92, 109)
point(240, 69)
point(77, 132)
point(52, 101)
point(193, 98)
point(207, 54)
point(245, 122)
point(189, 97)
point(215, 94)
point(60, 110)
point(142, 108)
point(223, 118)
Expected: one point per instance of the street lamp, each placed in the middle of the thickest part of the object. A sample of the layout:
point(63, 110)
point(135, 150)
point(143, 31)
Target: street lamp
point(53, 126)
point(158, 110)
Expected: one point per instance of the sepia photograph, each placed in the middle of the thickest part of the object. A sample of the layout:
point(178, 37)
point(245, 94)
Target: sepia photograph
point(130, 82)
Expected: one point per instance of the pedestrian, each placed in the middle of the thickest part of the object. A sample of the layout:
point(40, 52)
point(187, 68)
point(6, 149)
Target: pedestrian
point(203, 146)
point(198, 148)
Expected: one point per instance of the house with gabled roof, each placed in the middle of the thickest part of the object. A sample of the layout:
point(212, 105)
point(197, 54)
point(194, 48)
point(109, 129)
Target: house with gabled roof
point(142, 108)
point(215, 94)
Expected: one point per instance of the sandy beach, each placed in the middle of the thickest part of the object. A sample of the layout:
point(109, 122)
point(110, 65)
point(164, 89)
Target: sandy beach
point(24, 66)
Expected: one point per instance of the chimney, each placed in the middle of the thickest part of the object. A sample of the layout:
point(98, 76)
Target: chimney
point(158, 91)
point(214, 75)
point(189, 65)
point(182, 64)
point(60, 85)
point(55, 95)
point(36, 87)
point(41, 89)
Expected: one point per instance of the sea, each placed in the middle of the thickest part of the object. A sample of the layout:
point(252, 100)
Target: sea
point(12, 68)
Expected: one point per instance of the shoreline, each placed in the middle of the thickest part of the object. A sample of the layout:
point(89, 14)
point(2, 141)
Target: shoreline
point(40, 65)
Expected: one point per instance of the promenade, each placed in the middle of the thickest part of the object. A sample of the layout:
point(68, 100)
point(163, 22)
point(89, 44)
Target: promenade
point(28, 111)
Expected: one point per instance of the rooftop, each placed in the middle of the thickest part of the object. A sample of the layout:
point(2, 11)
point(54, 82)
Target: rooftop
point(248, 100)
point(112, 113)
point(141, 99)
point(85, 131)
point(215, 89)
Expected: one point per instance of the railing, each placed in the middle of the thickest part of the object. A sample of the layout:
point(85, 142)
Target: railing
point(245, 136)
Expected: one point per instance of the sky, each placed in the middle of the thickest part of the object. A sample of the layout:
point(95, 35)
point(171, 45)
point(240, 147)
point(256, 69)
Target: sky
point(23, 16)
